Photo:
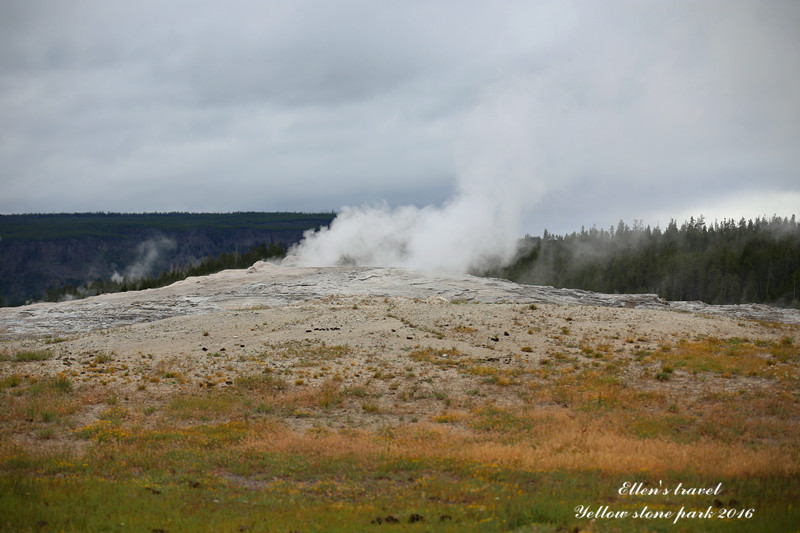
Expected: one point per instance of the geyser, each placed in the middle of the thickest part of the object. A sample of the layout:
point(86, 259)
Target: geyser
point(495, 181)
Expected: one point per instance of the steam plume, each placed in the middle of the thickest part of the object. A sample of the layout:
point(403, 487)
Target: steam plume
point(495, 181)
point(147, 254)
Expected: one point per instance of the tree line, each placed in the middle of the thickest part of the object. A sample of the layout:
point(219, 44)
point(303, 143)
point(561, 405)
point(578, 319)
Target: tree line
point(728, 262)
point(176, 273)
point(49, 226)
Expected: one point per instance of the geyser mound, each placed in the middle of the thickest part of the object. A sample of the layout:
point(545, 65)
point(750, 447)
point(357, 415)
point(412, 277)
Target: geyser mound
point(265, 285)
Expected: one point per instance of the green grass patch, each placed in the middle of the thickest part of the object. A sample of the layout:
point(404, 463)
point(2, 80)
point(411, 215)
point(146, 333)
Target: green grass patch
point(28, 355)
point(287, 492)
point(203, 407)
point(728, 357)
point(265, 381)
point(10, 382)
point(680, 428)
point(491, 418)
point(55, 385)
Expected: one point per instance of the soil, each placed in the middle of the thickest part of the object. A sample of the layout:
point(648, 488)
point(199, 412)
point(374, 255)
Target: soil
point(392, 332)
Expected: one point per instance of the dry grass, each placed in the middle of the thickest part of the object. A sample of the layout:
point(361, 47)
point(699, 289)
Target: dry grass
point(585, 402)
point(26, 355)
point(729, 357)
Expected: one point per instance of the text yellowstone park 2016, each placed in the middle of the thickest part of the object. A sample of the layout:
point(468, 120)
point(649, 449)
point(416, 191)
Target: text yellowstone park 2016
point(638, 489)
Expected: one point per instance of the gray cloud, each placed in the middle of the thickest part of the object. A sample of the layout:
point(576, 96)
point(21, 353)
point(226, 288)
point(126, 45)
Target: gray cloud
point(609, 110)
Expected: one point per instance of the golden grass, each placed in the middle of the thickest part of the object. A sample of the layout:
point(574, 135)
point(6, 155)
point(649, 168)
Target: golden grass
point(728, 357)
point(726, 408)
point(563, 443)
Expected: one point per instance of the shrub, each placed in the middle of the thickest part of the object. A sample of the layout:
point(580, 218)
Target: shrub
point(61, 384)
point(32, 355)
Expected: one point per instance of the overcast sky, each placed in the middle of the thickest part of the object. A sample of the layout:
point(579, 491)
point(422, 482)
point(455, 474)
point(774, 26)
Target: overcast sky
point(601, 110)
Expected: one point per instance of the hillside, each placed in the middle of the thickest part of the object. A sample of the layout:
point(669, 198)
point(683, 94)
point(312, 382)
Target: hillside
point(39, 252)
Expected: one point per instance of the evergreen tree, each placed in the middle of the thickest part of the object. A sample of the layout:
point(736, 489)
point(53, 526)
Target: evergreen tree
point(754, 261)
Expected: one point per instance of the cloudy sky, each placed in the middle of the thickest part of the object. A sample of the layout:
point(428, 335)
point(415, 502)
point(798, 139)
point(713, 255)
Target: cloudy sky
point(585, 112)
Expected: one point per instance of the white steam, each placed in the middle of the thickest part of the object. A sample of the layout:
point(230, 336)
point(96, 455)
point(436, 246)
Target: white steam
point(496, 180)
point(147, 254)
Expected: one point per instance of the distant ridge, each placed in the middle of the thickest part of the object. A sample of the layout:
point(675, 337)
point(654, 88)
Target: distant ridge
point(48, 251)
point(39, 226)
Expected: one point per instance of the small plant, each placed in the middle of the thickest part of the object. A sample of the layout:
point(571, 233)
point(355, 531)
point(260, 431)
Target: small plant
point(103, 357)
point(61, 384)
point(358, 392)
point(265, 408)
point(32, 355)
point(447, 418)
point(265, 381)
point(10, 381)
point(46, 415)
point(665, 374)
point(502, 381)
point(115, 415)
point(442, 396)
point(46, 433)
point(370, 407)
point(329, 395)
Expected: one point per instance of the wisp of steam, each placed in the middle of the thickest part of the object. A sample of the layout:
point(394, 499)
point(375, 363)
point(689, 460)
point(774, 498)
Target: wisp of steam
point(481, 224)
